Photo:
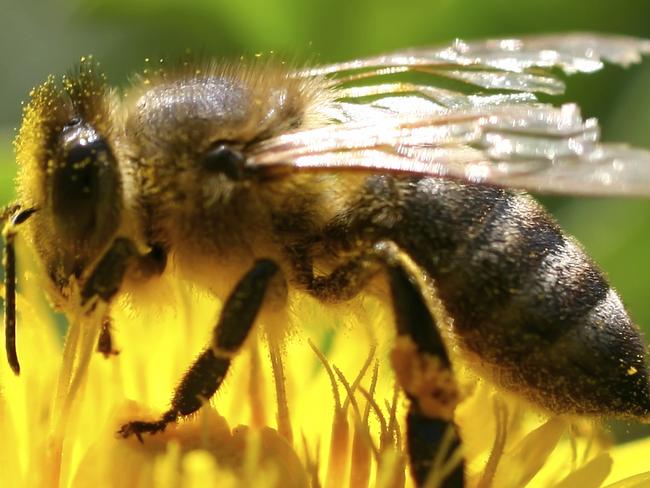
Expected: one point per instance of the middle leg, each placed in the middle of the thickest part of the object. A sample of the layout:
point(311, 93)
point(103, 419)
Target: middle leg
point(208, 371)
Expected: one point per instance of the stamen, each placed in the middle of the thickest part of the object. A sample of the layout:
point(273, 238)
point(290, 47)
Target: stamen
point(283, 418)
point(256, 388)
point(501, 421)
point(339, 441)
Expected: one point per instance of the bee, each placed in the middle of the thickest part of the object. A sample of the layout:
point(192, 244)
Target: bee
point(256, 178)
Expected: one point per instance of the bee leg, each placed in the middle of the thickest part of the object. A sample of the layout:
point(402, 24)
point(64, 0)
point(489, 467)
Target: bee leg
point(419, 358)
point(9, 261)
point(208, 371)
point(424, 371)
point(105, 341)
point(106, 279)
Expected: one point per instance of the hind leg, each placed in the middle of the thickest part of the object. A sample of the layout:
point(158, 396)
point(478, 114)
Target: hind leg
point(419, 358)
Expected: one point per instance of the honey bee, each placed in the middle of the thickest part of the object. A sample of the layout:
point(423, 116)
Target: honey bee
point(255, 176)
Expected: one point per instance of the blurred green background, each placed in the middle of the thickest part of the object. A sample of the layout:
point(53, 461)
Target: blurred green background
point(39, 37)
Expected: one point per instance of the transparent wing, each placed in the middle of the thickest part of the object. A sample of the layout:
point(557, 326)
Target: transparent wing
point(503, 138)
point(536, 147)
point(507, 64)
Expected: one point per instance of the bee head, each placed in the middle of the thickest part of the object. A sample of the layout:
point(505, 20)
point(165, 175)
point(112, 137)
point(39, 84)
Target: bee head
point(68, 169)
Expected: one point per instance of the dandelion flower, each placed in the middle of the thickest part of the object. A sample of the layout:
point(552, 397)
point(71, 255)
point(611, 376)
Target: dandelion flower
point(319, 409)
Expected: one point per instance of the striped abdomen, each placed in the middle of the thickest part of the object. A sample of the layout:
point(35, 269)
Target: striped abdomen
point(523, 296)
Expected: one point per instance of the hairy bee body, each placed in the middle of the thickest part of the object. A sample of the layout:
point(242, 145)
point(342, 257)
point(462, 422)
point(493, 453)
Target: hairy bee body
point(251, 177)
point(522, 295)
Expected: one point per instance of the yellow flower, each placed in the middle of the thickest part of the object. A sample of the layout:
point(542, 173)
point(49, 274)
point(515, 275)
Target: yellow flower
point(318, 408)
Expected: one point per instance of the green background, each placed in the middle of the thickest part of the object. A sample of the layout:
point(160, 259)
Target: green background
point(42, 37)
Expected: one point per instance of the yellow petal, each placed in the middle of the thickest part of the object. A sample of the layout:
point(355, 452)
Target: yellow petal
point(521, 463)
point(630, 459)
point(590, 475)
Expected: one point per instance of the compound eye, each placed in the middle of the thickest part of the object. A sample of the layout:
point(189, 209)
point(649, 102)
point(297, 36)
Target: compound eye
point(225, 159)
point(83, 146)
point(84, 182)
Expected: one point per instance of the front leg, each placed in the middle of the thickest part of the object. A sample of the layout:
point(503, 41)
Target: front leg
point(106, 278)
point(208, 371)
point(420, 360)
point(105, 340)
point(108, 275)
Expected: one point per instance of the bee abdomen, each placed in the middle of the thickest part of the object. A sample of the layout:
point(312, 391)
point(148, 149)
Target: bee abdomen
point(531, 305)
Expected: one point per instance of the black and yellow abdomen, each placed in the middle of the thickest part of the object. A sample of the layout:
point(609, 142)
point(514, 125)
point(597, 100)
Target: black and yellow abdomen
point(524, 297)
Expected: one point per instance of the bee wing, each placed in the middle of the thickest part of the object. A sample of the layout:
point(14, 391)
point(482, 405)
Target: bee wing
point(509, 64)
point(507, 139)
point(536, 147)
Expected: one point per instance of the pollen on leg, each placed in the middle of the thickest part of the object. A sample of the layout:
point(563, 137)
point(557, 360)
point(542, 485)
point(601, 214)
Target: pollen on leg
point(425, 379)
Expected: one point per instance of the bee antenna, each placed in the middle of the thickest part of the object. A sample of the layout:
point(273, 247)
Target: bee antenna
point(10, 286)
